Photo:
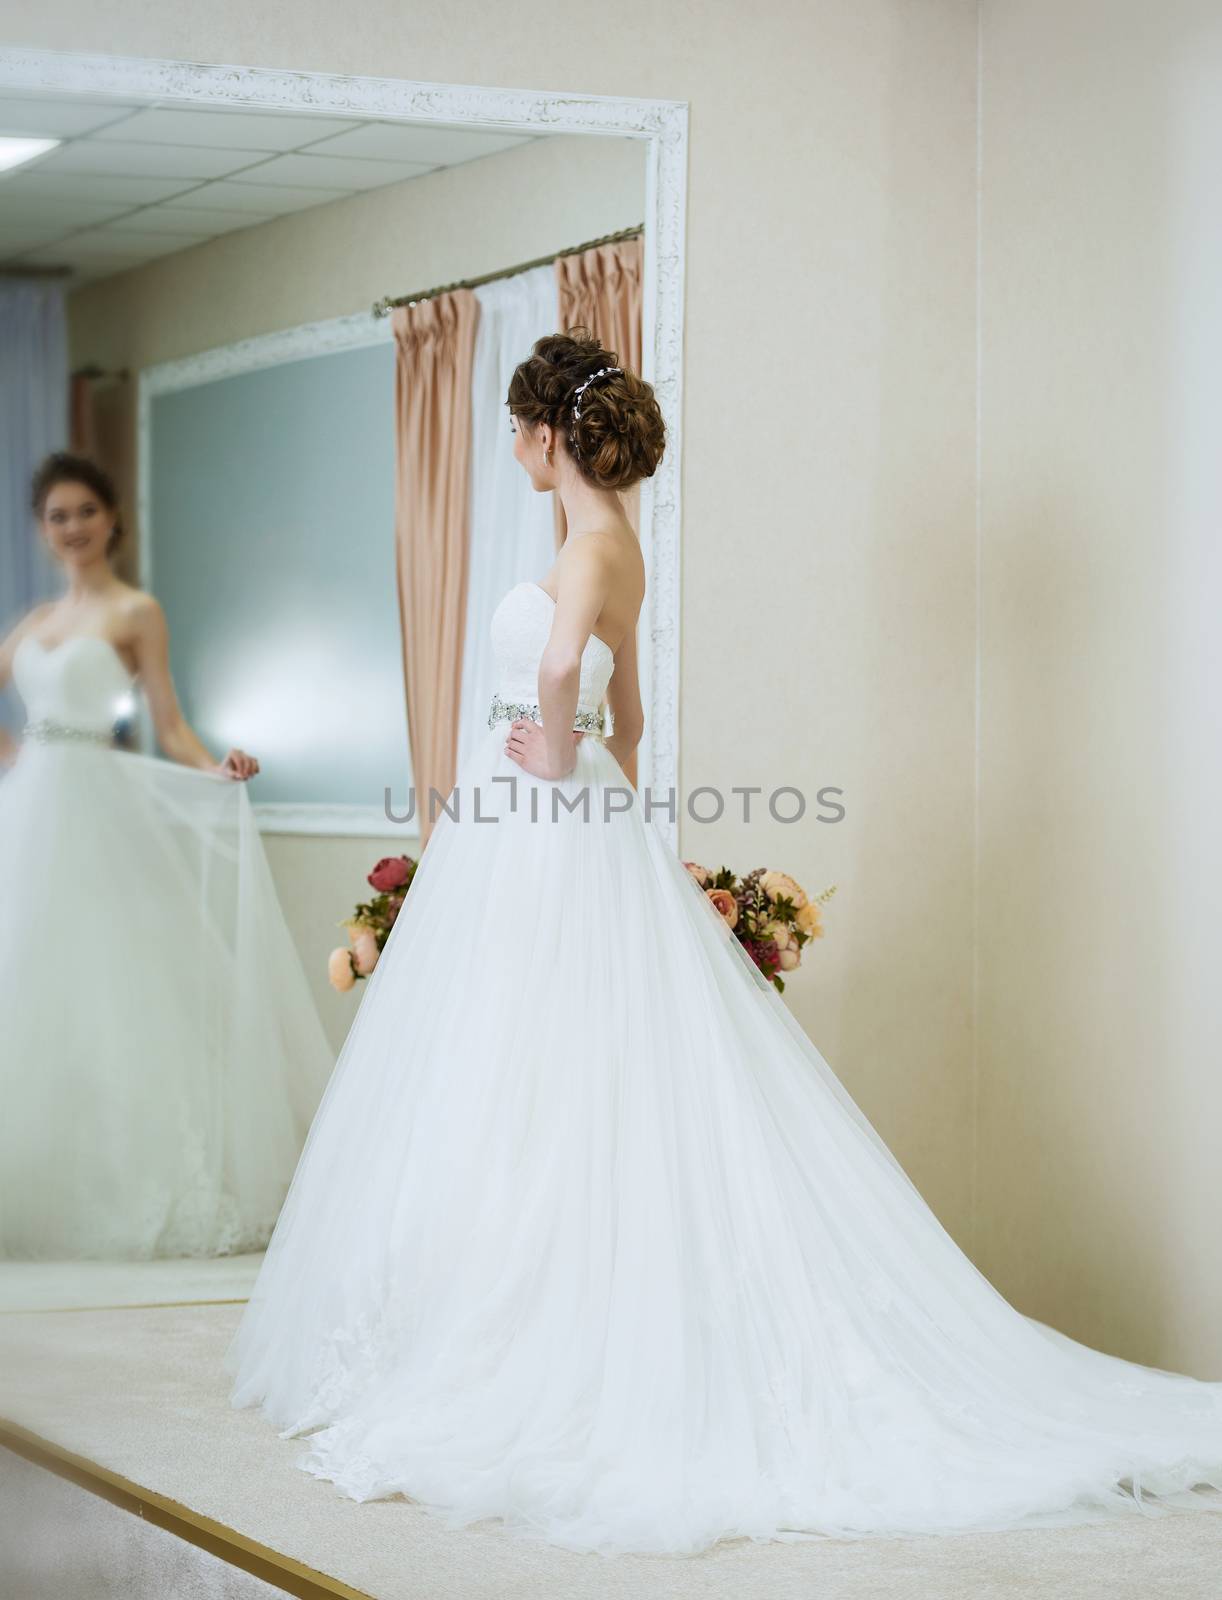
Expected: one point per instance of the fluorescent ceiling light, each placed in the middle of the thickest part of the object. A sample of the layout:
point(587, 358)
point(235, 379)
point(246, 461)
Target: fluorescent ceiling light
point(16, 152)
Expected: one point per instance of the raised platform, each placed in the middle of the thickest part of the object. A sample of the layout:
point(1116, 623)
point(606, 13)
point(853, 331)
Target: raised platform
point(130, 1405)
point(108, 1285)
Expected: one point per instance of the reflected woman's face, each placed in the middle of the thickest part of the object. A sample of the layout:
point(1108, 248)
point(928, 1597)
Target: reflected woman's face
point(76, 524)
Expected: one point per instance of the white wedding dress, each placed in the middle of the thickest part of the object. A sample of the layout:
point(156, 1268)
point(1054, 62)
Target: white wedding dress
point(160, 1053)
point(588, 1237)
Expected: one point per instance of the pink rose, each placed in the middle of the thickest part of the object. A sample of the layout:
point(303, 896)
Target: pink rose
point(701, 874)
point(340, 970)
point(725, 904)
point(390, 873)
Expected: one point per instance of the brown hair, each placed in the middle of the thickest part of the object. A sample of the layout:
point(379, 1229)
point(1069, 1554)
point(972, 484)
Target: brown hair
point(64, 467)
point(620, 436)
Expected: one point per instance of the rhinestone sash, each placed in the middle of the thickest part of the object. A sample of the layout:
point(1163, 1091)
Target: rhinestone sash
point(509, 710)
point(46, 730)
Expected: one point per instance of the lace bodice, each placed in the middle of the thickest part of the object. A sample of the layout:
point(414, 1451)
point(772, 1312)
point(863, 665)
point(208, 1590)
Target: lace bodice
point(521, 626)
point(80, 683)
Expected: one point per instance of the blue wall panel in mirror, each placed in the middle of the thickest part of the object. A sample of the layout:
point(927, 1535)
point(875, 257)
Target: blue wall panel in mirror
point(272, 551)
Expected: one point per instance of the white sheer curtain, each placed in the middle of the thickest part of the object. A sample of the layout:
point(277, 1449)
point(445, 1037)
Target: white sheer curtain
point(34, 405)
point(512, 527)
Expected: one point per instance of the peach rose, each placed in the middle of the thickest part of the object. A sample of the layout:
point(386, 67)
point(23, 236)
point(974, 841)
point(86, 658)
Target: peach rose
point(340, 970)
point(779, 934)
point(701, 874)
point(789, 958)
point(810, 920)
point(775, 884)
point(725, 904)
point(364, 951)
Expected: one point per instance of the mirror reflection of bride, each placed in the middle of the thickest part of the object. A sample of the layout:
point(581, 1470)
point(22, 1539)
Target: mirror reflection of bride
point(162, 1055)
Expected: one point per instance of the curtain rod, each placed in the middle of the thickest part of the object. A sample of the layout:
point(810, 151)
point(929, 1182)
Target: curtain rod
point(16, 270)
point(383, 308)
point(120, 374)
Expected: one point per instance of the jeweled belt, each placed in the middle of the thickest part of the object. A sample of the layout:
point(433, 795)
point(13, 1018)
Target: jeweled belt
point(46, 729)
point(509, 710)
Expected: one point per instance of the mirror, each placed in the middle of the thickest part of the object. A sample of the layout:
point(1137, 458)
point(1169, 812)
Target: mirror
point(226, 279)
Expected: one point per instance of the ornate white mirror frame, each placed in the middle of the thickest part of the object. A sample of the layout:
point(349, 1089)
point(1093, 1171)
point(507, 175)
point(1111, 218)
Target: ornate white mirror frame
point(662, 124)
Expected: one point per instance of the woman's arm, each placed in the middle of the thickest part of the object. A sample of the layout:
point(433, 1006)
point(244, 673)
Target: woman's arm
point(179, 741)
point(582, 588)
point(581, 592)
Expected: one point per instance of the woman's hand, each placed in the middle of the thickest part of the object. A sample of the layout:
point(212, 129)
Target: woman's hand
point(237, 765)
point(527, 746)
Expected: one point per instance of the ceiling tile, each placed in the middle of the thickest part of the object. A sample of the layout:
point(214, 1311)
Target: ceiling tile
point(400, 141)
point(245, 130)
point(70, 186)
point(53, 118)
point(331, 172)
point(26, 235)
point(66, 213)
point(110, 156)
point(260, 197)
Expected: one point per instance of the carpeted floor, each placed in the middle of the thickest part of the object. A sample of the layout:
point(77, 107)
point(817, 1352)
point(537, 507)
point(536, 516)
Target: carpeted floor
point(143, 1393)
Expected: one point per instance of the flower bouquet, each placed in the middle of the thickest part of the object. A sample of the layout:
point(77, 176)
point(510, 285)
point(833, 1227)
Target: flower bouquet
point(769, 914)
point(370, 924)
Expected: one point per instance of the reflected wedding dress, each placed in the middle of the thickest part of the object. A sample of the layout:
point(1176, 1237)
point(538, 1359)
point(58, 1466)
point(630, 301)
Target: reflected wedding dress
point(160, 1054)
point(588, 1237)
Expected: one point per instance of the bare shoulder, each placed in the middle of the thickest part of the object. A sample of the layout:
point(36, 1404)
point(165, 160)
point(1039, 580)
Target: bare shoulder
point(139, 612)
point(12, 637)
point(35, 615)
point(32, 619)
point(611, 555)
point(138, 604)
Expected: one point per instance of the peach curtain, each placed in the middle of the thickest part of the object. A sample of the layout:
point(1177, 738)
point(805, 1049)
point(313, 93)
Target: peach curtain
point(600, 289)
point(435, 343)
point(82, 421)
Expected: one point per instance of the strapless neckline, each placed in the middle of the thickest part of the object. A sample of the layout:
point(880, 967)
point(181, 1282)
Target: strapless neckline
point(529, 583)
point(79, 638)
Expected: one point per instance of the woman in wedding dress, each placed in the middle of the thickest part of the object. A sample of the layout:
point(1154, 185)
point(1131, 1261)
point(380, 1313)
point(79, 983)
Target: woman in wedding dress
point(161, 1056)
point(587, 1236)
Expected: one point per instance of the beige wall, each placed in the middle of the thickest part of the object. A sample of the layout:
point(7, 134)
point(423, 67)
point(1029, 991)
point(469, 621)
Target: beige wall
point(829, 629)
point(331, 261)
point(1101, 766)
point(828, 524)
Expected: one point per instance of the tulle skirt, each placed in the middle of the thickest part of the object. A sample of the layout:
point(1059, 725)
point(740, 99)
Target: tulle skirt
point(588, 1237)
point(162, 1055)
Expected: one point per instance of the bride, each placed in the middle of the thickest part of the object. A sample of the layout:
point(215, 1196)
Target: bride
point(587, 1236)
point(162, 1056)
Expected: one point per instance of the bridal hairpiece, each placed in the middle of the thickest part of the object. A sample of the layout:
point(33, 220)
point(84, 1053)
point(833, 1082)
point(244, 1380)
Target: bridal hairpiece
point(582, 387)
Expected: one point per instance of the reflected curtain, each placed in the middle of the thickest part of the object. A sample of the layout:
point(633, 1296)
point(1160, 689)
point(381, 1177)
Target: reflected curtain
point(600, 289)
point(82, 418)
point(511, 524)
point(34, 405)
point(435, 343)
